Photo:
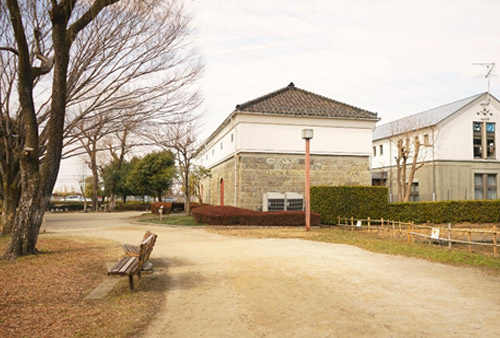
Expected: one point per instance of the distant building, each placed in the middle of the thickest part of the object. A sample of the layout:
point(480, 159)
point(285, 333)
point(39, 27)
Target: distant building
point(461, 160)
point(258, 149)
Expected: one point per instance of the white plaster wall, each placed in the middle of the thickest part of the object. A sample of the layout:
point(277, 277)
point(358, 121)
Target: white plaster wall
point(288, 139)
point(383, 160)
point(213, 153)
point(283, 134)
point(455, 134)
point(391, 151)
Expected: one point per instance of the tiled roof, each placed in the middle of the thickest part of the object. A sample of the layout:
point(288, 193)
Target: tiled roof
point(293, 101)
point(421, 120)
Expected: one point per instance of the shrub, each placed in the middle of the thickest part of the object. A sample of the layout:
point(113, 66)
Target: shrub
point(131, 206)
point(167, 207)
point(478, 211)
point(237, 216)
point(68, 206)
point(177, 206)
point(346, 201)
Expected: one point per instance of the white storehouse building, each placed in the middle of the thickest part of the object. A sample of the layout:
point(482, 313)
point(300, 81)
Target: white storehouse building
point(257, 154)
point(459, 151)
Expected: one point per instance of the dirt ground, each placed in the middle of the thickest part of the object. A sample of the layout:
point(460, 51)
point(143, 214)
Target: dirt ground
point(222, 286)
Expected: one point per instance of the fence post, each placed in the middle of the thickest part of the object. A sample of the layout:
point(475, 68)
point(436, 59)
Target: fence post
point(393, 234)
point(469, 238)
point(400, 230)
point(409, 231)
point(345, 221)
point(449, 235)
point(338, 223)
point(412, 235)
point(368, 224)
point(352, 223)
point(382, 224)
point(495, 249)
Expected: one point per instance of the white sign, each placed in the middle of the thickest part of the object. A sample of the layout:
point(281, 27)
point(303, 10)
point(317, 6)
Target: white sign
point(358, 224)
point(435, 233)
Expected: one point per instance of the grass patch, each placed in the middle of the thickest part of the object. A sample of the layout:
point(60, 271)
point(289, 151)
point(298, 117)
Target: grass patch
point(170, 220)
point(372, 243)
point(43, 295)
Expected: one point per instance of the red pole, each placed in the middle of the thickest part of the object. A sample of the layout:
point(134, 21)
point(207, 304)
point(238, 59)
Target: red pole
point(308, 184)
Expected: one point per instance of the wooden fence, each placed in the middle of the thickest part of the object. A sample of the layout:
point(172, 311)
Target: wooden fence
point(392, 229)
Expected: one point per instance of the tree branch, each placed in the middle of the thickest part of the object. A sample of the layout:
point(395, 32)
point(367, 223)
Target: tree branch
point(86, 18)
point(10, 49)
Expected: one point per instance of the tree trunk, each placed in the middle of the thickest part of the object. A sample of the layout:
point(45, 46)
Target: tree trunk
point(187, 200)
point(112, 201)
point(10, 201)
point(37, 182)
point(25, 231)
point(95, 183)
point(158, 193)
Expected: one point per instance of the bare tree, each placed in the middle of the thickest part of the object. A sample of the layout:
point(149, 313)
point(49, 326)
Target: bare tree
point(198, 174)
point(181, 138)
point(414, 141)
point(100, 54)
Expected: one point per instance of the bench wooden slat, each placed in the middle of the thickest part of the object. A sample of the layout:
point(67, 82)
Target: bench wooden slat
point(126, 267)
point(130, 250)
point(132, 262)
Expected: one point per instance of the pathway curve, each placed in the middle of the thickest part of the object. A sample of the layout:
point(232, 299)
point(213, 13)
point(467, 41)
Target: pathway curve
point(221, 286)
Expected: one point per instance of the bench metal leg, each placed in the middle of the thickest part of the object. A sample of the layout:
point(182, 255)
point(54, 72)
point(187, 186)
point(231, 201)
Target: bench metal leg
point(131, 282)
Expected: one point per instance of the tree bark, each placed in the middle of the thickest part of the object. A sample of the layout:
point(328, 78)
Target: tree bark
point(11, 193)
point(95, 182)
point(187, 200)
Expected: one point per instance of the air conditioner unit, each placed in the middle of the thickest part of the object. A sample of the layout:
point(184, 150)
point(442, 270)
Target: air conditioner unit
point(273, 201)
point(294, 201)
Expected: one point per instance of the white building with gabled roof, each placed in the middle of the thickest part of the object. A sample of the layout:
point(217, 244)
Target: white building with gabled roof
point(258, 149)
point(459, 157)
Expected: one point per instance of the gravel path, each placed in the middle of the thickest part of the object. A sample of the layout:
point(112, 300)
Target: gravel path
point(222, 286)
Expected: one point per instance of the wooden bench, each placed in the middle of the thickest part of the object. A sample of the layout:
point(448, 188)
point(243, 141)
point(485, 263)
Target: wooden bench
point(133, 250)
point(132, 265)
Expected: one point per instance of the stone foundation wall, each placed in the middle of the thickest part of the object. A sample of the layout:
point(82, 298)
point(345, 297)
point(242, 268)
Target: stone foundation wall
point(260, 173)
point(212, 186)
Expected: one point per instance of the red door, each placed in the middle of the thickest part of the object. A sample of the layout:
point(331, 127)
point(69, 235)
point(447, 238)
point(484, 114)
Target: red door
point(221, 192)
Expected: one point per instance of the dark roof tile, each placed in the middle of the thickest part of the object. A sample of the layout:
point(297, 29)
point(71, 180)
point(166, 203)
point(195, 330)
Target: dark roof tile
point(294, 101)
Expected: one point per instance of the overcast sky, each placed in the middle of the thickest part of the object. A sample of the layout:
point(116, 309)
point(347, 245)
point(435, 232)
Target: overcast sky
point(392, 57)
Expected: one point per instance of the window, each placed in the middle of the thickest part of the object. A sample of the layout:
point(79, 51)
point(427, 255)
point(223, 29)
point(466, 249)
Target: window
point(483, 138)
point(232, 138)
point(374, 151)
point(426, 139)
point(221, 146)
point(490, 140)
point(414, 194)
point(478, 136)
point(485, 186)
point(213, 151)
point(381, 149)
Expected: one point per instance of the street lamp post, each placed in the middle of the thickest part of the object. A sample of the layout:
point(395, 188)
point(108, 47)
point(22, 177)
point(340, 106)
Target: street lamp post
point(308, 134)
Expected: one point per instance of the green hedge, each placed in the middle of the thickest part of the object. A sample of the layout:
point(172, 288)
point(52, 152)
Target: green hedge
point(131, 206)
point(478, 211)
point(346, 201)
point(67, 206)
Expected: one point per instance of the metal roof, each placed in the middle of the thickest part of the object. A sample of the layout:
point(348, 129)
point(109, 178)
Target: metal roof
point(423, 119)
